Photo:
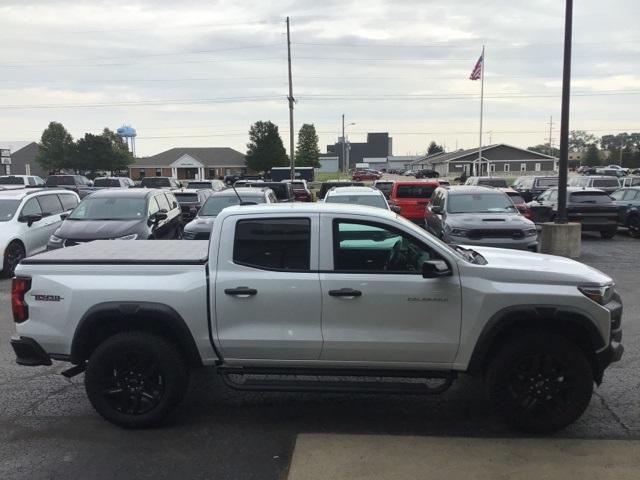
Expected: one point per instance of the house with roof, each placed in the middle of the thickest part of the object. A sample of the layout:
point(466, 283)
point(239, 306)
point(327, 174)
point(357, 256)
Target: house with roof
point(498, 159)
point(23, 160)
point(190, 163)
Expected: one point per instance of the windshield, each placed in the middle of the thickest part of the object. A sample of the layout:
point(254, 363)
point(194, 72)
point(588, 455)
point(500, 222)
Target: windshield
point(186, 197)
point(493, 182)
point(590, 197)
point(117, 208)
point(155, 182)
point(367, 200)
point(11, 181)
point(415, 191)
point(480, 203)
point(547, 182)
point(214, 205)
point(106, 182)
point(8, 209)
point(55, 181)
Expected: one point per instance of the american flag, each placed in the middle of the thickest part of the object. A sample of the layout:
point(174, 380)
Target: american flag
point(477, 70)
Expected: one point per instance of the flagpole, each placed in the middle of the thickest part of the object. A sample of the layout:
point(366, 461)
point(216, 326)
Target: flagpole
point(481, 112)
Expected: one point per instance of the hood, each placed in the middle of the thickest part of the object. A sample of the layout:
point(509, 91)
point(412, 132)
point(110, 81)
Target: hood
point(200, 224)
point(98, 229)
point(539, 268)
point(488, 220)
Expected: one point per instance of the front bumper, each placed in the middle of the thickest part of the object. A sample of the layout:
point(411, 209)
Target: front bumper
point(29, 352)
point(614, 350)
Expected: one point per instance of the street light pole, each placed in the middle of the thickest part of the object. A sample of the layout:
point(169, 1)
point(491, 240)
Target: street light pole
point(344, 167)
point(563, 163)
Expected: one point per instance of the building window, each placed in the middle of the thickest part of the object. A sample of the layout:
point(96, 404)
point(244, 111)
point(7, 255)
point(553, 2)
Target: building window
point(141, 173)
point(212, 173)
point(523, 167)
point(538, 167)
point(507, 167)
point(27, 169)
point(492, 167)
point(158, 172)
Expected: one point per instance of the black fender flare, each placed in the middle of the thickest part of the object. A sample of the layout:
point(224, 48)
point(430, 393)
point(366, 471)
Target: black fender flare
point(560, 319)
point(105, 319)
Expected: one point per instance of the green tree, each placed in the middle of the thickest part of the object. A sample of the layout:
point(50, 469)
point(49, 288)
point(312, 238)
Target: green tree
point(121, 156)
point(265, 148)
point(544, 149)
point(434, 148)
point(56, 148)
point(101, 152)
point(579, 140)
point(592, 156)
point(307, 151)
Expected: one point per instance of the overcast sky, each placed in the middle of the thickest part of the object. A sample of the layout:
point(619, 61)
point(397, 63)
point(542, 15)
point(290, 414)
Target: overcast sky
point(198, 73)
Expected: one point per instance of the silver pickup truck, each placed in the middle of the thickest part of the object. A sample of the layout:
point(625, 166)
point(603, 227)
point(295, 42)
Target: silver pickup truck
point(318, 297)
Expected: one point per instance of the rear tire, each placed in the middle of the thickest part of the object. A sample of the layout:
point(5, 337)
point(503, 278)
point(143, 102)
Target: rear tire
point(540, 382)
point(608, 234)
point(12, 256)
point(135, 379)
point(634, 226)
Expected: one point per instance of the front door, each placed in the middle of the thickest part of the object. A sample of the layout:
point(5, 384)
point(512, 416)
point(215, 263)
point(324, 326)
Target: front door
point(377, 307)
point(267, 300)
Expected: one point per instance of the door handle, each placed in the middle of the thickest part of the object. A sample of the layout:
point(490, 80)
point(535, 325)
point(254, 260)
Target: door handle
point(345, 292)
point(241, 291)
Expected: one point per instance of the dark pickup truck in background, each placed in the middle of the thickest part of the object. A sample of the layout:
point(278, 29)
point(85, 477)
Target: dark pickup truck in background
point(76, 183)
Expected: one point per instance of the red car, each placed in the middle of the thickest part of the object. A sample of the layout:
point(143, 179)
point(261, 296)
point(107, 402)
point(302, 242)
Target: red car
point(518, 201)
point(360, 175)
point(412, 196)
point(301, 192)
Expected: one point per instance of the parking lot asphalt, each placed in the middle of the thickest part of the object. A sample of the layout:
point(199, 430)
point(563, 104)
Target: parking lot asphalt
point(49, 430)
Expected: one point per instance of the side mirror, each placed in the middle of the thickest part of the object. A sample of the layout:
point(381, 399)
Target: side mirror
point(395, 208)
point(64, 215)
point(435, 269)
point(30, 219)
point(436, 209)
point(161, 215)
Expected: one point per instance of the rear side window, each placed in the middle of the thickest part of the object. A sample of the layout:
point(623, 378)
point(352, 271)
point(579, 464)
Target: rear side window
point(50, 204)
point(414, 191)
point(69, 202)
point(163, 203)
point(273, 244)
point(590, 197)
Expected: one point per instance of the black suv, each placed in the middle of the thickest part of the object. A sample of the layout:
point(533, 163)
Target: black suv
point(76, 183)
point(121, 214)
point(591, 207)
point(530, 187)
point(426, 173)
point(284, 191)
point(160, 182)
point(191, 200)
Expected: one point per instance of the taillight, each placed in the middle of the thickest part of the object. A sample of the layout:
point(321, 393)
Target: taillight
point(19, 287)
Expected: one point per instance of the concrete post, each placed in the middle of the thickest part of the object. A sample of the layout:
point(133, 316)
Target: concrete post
point(561, 239)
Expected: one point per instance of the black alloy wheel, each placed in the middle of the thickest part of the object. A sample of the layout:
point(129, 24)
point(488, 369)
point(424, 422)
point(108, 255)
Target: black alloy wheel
point(12, 257)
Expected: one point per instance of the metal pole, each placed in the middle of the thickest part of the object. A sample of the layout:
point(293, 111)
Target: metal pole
point(291, 150)
point(550, 133)
point(621, 152)
point(563, 162)
point(481, 111)
point(344, 163)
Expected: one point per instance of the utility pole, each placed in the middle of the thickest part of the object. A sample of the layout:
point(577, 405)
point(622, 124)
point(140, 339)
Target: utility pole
point(563, 163)
point(344, 157)
point(291, 100)
point(550, 136)
point(621, 143)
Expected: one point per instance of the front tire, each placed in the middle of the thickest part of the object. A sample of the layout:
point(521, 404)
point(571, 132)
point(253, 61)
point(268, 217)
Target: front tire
point(540, 383)
point(608, 234)
point(135, 379)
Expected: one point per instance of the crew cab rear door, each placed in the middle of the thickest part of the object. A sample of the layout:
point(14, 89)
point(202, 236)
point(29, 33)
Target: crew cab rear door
point(267, 288)
point(376, 306)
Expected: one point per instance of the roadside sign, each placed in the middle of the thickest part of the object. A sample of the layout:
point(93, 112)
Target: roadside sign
point(5, 152)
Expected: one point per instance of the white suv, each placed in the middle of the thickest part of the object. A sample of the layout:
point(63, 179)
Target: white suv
point(20, 181)
point(367, 196)
point(28, 217)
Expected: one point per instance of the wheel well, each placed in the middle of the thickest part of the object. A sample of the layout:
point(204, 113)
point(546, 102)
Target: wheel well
point(631, 215)
point(105, 320)
point(573, 326)
point(19, 242)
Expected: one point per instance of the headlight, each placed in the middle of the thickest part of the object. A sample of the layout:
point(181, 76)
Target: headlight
point(54, 239)
point(601, 295)
point(128, 237)
point(459, 232)
point(532, 232)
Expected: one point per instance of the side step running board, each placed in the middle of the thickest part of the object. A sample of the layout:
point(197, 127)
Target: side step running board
point(337, 381)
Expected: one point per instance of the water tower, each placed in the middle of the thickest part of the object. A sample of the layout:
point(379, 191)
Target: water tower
point(128, 133)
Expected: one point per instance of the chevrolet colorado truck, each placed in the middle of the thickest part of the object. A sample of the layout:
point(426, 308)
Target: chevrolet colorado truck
point(318, 297)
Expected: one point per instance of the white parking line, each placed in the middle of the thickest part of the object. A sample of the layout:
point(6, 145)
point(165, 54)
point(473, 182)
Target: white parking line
point(337, 457)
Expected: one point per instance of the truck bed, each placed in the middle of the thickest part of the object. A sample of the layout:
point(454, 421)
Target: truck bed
point(134, 252)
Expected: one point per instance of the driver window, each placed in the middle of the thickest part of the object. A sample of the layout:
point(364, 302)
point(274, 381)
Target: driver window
point(372, 247)
point(32, 207)
point(153, 206)
point(163, 203)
